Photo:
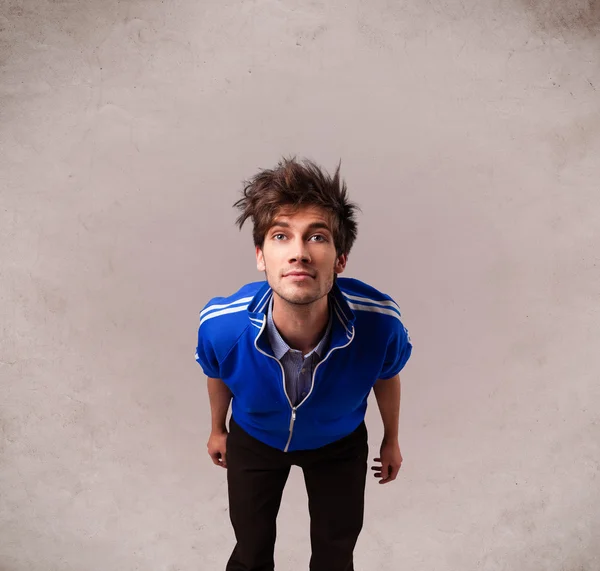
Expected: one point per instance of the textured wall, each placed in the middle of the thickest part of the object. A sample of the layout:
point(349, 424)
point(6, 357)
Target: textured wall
point(469, 133)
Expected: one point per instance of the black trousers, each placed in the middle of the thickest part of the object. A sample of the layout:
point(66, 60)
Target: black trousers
point(335, 477)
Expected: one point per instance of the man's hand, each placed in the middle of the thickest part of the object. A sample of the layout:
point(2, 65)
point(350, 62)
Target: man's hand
point(217, 448)
point(390, 460)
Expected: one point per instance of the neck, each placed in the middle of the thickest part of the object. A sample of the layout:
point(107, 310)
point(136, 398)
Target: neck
point(301, 326)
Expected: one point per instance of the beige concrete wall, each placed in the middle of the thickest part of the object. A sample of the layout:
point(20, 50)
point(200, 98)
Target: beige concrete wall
point(468, 133)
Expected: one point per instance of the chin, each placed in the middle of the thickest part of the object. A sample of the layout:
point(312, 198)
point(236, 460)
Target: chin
point(298, 297)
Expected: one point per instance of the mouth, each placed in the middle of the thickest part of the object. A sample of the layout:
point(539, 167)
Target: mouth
point(298, 275)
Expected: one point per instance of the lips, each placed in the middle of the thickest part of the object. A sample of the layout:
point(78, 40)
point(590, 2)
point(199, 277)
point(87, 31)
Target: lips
point(298, 274)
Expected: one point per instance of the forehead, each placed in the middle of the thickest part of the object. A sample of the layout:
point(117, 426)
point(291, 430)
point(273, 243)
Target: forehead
point(302, 216)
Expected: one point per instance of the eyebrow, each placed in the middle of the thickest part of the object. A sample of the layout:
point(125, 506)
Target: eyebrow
point(311, 226)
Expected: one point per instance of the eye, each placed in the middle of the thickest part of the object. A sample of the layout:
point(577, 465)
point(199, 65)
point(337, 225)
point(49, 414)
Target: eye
point(321, 238)
point(275, 235)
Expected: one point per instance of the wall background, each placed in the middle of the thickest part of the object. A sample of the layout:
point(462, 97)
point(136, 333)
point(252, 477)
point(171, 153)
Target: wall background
point(469, 133)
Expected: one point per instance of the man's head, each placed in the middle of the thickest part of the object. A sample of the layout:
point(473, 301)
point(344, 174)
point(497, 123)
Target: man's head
point(303, 222)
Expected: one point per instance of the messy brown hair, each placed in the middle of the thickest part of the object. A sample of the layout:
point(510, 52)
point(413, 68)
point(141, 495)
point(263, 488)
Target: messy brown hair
point(294, 184)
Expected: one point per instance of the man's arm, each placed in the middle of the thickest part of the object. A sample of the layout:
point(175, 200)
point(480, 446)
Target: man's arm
point(219, 396)
point(387, 392)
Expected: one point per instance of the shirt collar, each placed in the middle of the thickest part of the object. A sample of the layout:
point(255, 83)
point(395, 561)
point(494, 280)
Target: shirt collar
point(280, 347)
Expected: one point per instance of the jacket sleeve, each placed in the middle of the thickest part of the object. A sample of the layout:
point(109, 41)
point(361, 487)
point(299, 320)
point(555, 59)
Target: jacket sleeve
point(205, 354)
point(398, 351)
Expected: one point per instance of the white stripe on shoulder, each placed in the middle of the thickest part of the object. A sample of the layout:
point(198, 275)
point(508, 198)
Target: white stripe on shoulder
point(385, 302)
point(361, 307)
point(223, 312)
point(223, 305)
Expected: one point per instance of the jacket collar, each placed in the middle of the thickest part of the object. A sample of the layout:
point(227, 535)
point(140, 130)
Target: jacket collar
point(281, 348)
point(343, 316)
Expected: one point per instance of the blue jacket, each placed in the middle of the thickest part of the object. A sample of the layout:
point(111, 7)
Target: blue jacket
point(368, 342)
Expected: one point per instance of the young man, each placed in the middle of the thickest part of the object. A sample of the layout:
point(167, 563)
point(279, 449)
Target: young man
point(297, 356)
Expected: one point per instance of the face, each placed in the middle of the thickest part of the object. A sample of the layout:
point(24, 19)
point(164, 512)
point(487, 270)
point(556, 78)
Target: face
point(299, 256)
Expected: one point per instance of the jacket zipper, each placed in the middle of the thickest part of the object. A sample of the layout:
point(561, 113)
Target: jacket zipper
point(292, 421)
point(295, 408)
point(293, 417)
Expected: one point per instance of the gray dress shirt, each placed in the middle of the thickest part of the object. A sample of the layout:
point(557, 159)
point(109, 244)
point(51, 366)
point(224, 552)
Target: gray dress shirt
point(298, 367)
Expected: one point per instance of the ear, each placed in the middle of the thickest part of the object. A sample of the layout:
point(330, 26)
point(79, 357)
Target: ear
point(260, 260)
point(340, 263)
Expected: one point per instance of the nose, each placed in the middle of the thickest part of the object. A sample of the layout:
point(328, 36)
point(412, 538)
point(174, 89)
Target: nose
point(300, 252)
